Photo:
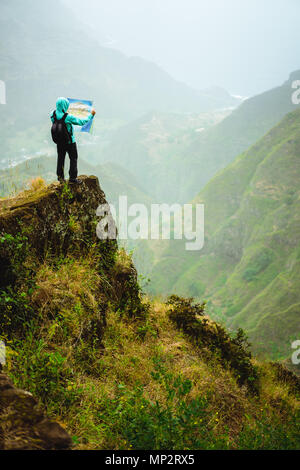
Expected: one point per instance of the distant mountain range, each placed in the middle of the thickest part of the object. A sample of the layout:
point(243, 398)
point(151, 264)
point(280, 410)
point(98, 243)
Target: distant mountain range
point(176, 171)
point(46, 53)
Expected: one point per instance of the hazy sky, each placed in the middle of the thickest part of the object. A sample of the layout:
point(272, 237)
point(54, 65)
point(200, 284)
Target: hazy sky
point(246, 46)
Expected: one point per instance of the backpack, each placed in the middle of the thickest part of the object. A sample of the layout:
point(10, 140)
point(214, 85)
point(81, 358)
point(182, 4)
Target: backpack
point(59, 131)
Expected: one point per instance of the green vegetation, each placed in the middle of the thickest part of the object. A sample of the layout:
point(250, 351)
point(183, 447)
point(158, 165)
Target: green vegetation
point(233, 351)
point(104, 361)
point(257, 265)
point(249, 268)
point(178, 422)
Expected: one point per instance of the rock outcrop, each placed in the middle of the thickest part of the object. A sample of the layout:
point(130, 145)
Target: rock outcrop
point(46, 226)
point(23, 425)
point(58, 218)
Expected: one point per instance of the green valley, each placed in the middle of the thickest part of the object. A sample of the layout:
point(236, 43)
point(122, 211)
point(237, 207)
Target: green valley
point(249, 268)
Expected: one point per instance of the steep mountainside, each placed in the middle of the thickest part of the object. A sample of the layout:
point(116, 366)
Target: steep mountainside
point(250, 266)
point(218, 146)
point(175, 156)
point(113, 369)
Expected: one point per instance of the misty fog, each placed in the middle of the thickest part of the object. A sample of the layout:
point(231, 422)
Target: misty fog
point(244, 46)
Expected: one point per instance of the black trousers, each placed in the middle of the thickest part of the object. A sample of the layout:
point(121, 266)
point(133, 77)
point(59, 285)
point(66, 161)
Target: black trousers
point(71, 149)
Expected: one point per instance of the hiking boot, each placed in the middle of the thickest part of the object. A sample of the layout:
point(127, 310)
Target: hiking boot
point(76, 181)
point(61, 180)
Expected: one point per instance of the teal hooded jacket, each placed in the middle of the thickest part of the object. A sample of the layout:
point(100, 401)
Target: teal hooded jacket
point(62, 106)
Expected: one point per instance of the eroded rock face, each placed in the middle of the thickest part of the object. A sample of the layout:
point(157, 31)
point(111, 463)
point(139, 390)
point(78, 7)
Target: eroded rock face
point(23, 425)
point(58, 218)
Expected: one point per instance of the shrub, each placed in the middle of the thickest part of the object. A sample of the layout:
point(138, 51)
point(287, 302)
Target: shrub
point(13, 253)
point(37, 183)
point(268, 434)
point(178, 422)
point(126, 289)
point(234, 351)
point(45, 374)
point(15, 312)
point(257, 265)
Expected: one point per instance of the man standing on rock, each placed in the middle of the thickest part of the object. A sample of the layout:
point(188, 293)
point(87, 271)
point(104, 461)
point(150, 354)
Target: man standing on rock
point(63, 135)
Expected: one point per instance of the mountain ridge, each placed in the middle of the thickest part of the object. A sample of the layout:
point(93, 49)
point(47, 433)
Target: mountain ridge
point(175, 166)
point(251, 242)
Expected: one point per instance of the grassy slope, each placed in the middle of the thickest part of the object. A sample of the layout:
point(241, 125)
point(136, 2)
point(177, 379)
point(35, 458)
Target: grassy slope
point(126, 389)
point(249, 268)
point(118, 396)
point(218, 146)
point(134, 381)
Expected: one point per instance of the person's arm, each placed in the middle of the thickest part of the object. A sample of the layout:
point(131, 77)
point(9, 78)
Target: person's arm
point(81, 122)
